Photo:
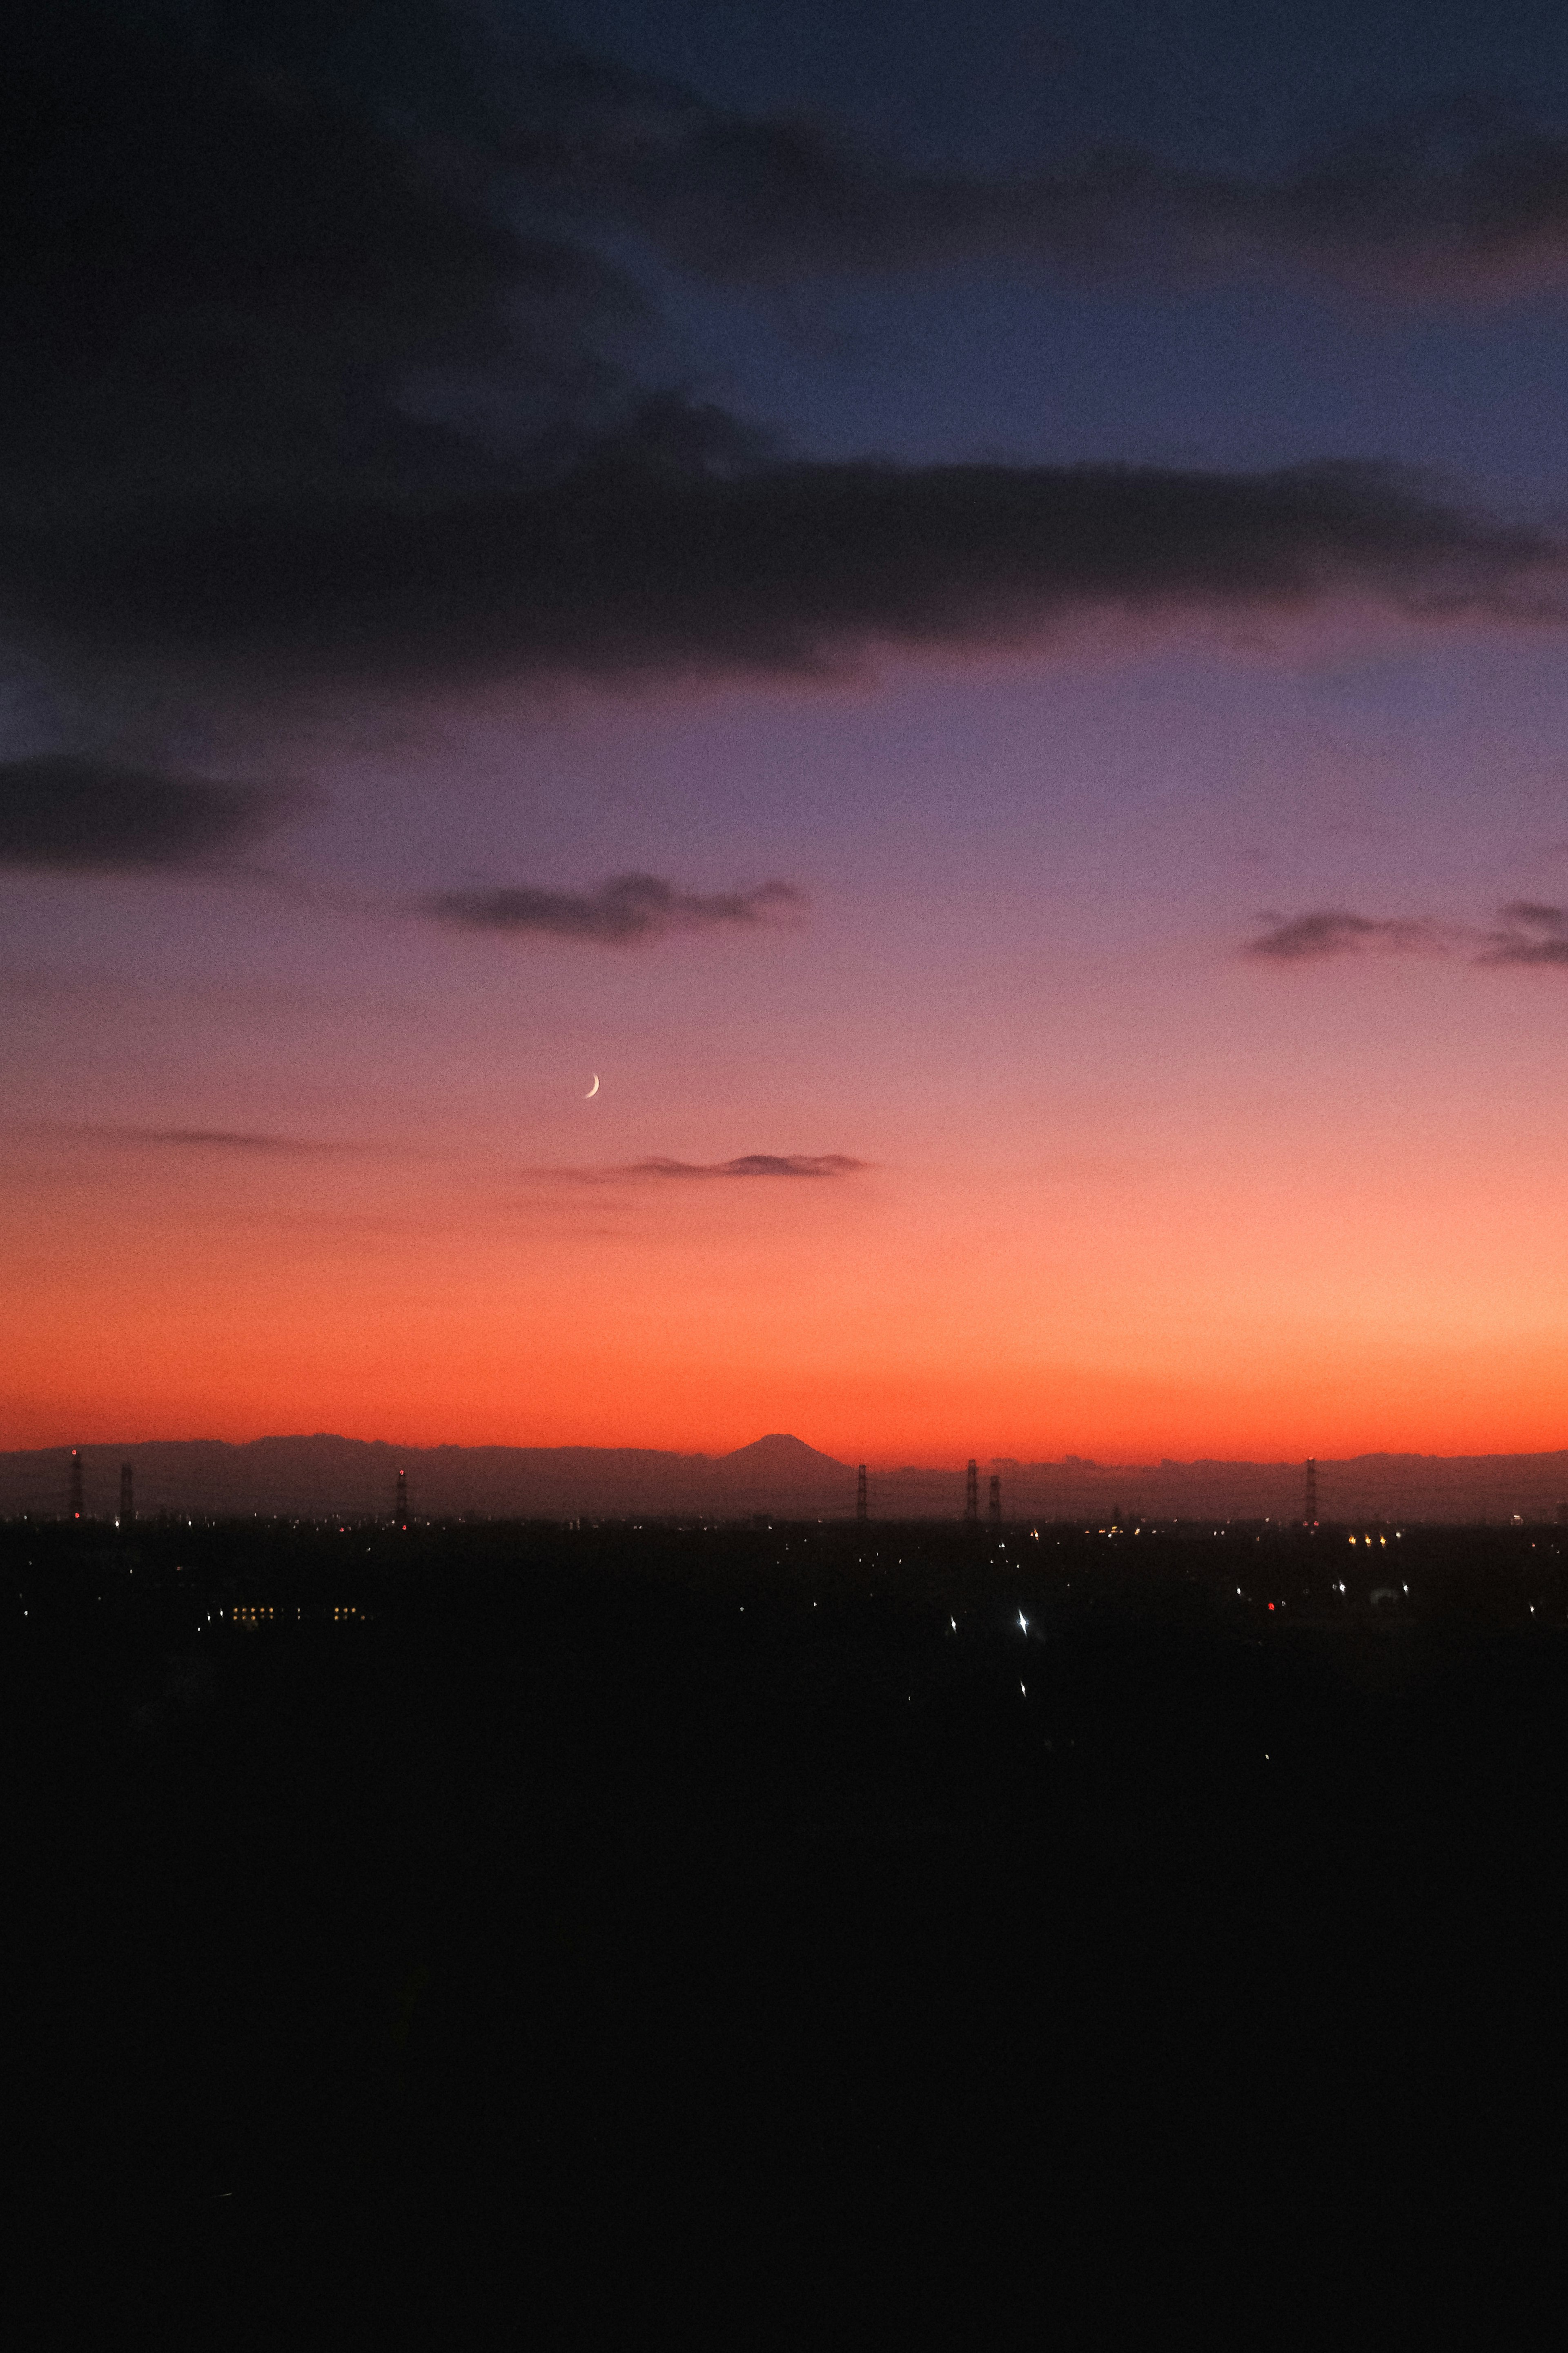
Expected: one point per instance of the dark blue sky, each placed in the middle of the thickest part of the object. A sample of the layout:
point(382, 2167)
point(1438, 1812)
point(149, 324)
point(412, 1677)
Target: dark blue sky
point(1001, 85)
point(1003, 359)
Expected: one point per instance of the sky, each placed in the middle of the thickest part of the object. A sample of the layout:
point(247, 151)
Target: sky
point(963, 607)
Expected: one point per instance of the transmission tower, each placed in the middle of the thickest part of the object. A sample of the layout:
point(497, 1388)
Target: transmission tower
point(994, 1511)
point(73, 1507)
point(860, 1492)
point(127, 1496)
point(401, 1519)
point(972, 1492)
point(1309, 1516)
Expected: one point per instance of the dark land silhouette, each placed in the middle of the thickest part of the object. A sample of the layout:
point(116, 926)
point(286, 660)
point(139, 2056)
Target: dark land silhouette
point(323, 1475)
point(791, 1929)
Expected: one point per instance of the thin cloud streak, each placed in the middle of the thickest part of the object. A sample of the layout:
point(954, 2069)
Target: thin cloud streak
point(628, 910)
point(200, 1139)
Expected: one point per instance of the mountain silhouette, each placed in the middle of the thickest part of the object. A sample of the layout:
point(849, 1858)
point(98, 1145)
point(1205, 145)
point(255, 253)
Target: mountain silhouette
point(781, 1473)
point(323, 1475)
point(781, 1456)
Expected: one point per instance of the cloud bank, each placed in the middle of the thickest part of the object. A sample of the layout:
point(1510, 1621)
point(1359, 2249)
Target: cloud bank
point(313, 366)
point(627, 909)
point(625, 568)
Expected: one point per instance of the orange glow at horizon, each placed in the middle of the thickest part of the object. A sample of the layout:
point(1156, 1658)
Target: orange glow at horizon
point(275, 1166)
point(885, 1316)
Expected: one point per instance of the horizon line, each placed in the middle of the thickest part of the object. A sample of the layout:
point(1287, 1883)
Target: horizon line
point(999, 1463)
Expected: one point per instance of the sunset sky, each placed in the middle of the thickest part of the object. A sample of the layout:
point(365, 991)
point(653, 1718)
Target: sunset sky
point(967, 606)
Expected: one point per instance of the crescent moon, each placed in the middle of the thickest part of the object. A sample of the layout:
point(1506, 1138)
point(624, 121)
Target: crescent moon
point(593, 1090)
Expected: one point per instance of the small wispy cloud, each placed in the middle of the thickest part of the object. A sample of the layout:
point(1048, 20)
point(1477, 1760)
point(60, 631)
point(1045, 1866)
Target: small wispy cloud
point(1334, 932)
point(1530, 933)
point(626, 909)
point(1526, 931)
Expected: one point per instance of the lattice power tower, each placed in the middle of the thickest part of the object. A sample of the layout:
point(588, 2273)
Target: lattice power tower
point(972, 1492)
point(1309, 1514)
point(860, 1492)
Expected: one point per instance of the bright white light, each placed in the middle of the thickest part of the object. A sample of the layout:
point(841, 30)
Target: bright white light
point(1023, 1621)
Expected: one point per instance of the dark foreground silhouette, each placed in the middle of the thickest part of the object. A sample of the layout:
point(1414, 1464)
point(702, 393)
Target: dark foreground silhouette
point(787, 1934)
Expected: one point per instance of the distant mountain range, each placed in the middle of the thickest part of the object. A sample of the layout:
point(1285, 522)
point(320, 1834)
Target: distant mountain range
point(323, 1476)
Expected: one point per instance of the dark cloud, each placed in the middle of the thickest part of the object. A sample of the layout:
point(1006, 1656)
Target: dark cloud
point(1329, 932)
point(92, 816)
point(269, 248)
point(754, 1163)
point(625, 566)
point(628, 908)
point(1464, 198)
point(309, 363)
point(1532, 934)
